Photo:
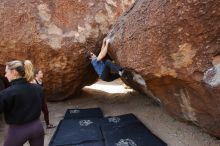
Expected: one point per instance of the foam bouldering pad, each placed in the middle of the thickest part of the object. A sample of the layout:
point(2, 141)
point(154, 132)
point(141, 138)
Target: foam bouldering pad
point(118, 121)
point(78, 132)
point(83, 113)
point(95, 143)
point(133, 134)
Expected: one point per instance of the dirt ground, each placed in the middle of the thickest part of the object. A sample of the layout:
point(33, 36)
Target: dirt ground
point(115, 99)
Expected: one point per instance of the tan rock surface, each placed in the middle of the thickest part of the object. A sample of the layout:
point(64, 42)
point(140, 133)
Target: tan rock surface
point(172, 47)
point(53, 34)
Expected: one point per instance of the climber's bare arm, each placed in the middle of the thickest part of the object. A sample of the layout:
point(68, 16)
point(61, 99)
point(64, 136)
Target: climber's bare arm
point(104, 50)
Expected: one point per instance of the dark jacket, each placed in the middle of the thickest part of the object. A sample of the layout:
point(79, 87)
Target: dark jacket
point(21, 102)
point(44, 106)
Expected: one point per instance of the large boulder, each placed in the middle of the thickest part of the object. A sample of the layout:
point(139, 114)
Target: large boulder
point(173, 50)
point(53, 34)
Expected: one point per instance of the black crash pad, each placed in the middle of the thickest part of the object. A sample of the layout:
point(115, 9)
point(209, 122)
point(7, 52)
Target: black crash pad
point(83, 113)
point(94, 143)
point(78, 132)
point(118, 121)
point(134, 134)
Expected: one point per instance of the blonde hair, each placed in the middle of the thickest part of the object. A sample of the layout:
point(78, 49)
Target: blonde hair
point(24, 69)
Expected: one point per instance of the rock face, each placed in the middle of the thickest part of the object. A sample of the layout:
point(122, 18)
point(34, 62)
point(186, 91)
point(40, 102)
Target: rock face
point(53, 34)
point(173, 50)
